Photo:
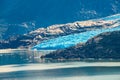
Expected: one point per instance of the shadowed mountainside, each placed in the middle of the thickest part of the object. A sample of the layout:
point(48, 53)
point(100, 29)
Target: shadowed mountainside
point(105, 45)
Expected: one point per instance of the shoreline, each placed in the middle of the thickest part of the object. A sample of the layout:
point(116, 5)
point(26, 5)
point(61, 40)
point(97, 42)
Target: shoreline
point(2, 51)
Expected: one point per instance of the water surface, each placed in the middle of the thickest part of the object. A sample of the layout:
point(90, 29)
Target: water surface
point(27, 65)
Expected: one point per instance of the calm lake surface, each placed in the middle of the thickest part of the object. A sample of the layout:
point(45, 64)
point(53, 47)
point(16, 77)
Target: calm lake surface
point(27, 65)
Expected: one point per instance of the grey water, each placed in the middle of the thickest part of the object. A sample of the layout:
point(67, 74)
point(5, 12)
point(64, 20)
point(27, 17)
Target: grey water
point(27, 65)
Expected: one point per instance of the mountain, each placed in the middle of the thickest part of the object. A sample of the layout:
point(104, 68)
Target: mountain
point(49, 12)
point(10, 30)
point(102, 46)
point(69, 30)
point(84, 31)
point(44, 13)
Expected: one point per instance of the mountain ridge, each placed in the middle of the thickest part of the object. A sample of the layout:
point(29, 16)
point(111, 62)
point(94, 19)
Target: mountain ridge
point(37, 36)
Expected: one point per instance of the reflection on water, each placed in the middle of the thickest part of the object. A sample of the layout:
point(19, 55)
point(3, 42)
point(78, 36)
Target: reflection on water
point(26, 56)
point(62, 71)
point(20, 56)
point(27, 65)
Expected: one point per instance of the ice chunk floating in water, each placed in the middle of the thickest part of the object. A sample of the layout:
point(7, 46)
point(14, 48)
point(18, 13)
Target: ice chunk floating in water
point(71, 40)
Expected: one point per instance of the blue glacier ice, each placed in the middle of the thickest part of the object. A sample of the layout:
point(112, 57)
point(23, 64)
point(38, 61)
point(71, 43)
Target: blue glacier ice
point(71, 40)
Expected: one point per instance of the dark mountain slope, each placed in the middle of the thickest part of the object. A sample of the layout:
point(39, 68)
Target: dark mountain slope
point(48, 12)
point(105, 45)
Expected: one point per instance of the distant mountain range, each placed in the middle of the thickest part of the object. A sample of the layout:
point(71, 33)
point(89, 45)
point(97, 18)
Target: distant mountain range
point(102, 46)
point(22, 16)
point(72, 33)
point(11, 30)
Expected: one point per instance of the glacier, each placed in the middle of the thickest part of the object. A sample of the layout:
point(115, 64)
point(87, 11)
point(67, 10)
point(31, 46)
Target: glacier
point(73, 39)
point(70, 40)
